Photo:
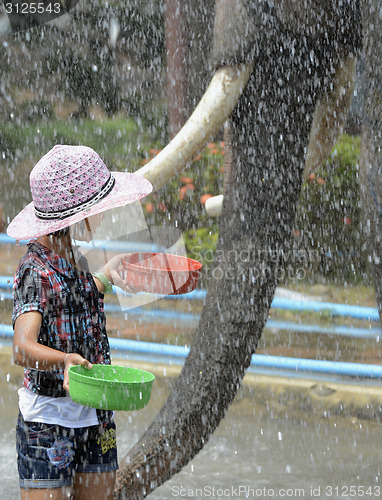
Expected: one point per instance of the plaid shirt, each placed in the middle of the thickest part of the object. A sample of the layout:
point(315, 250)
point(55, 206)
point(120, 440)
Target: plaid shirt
point(73, 318)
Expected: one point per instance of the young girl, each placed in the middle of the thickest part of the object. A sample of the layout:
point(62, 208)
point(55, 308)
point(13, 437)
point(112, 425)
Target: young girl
point(65, 450)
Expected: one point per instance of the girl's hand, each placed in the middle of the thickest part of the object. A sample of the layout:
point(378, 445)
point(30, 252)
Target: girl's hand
point(113, 270)
point(73, 359)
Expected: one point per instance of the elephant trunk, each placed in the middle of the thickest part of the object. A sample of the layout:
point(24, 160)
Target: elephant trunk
point(270, 129)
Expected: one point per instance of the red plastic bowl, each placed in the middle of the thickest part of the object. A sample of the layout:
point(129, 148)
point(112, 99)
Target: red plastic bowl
point(161, 273)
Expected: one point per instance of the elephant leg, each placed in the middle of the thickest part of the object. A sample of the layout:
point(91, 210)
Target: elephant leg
point(330, 115)
point(371, 149)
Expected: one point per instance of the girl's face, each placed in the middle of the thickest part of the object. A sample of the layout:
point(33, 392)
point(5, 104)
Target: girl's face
point(85, 229)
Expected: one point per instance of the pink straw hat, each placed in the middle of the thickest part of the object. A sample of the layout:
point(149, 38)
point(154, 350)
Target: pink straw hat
point(69, 184)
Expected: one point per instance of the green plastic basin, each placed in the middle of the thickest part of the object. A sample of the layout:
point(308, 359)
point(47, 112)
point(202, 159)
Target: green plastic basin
point(110, 387)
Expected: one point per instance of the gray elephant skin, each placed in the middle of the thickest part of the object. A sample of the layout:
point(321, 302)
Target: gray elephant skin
point(296, 48)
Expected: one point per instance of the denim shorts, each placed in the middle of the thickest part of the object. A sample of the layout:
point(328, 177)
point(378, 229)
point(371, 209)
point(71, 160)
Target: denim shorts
point(48, 456)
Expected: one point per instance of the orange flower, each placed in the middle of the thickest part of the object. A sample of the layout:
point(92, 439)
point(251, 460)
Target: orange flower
point(320, 180)
point(214, 151)
point(154, 151)
point(312, 177)
point(210, 145)
point(162, 207)
point(183, 190)
point(197, 158)
point(346, 220)
point(222, 144)
point(186, 180)
point(149, 207)
point(205, 197)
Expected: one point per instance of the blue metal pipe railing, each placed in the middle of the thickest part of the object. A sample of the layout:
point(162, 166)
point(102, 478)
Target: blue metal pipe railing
point(352, 311)
point(114, 245)
point(342, 330)
point(349, 331)
point(359, 312)
point(161, 314)
point(259, 361)
point(316, 366)
point(150, 351)
point(297, 365)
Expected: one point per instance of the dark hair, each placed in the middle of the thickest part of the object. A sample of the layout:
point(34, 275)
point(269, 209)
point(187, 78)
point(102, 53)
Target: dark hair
point(60, 232)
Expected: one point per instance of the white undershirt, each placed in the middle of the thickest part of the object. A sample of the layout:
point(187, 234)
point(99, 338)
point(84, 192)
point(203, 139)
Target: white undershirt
point(59, 411)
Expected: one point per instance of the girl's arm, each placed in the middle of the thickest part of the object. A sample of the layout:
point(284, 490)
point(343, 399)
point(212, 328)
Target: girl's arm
point(29, 353)
point(111, 270)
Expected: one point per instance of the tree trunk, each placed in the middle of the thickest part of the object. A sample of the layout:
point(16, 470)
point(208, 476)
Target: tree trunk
point(177, 51)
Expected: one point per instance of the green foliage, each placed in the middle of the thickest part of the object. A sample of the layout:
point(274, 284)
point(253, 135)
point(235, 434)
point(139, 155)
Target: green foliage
point(119, 141)
point(328, 238)
point(201, 243)
point(182, 200)
point(329, 221)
